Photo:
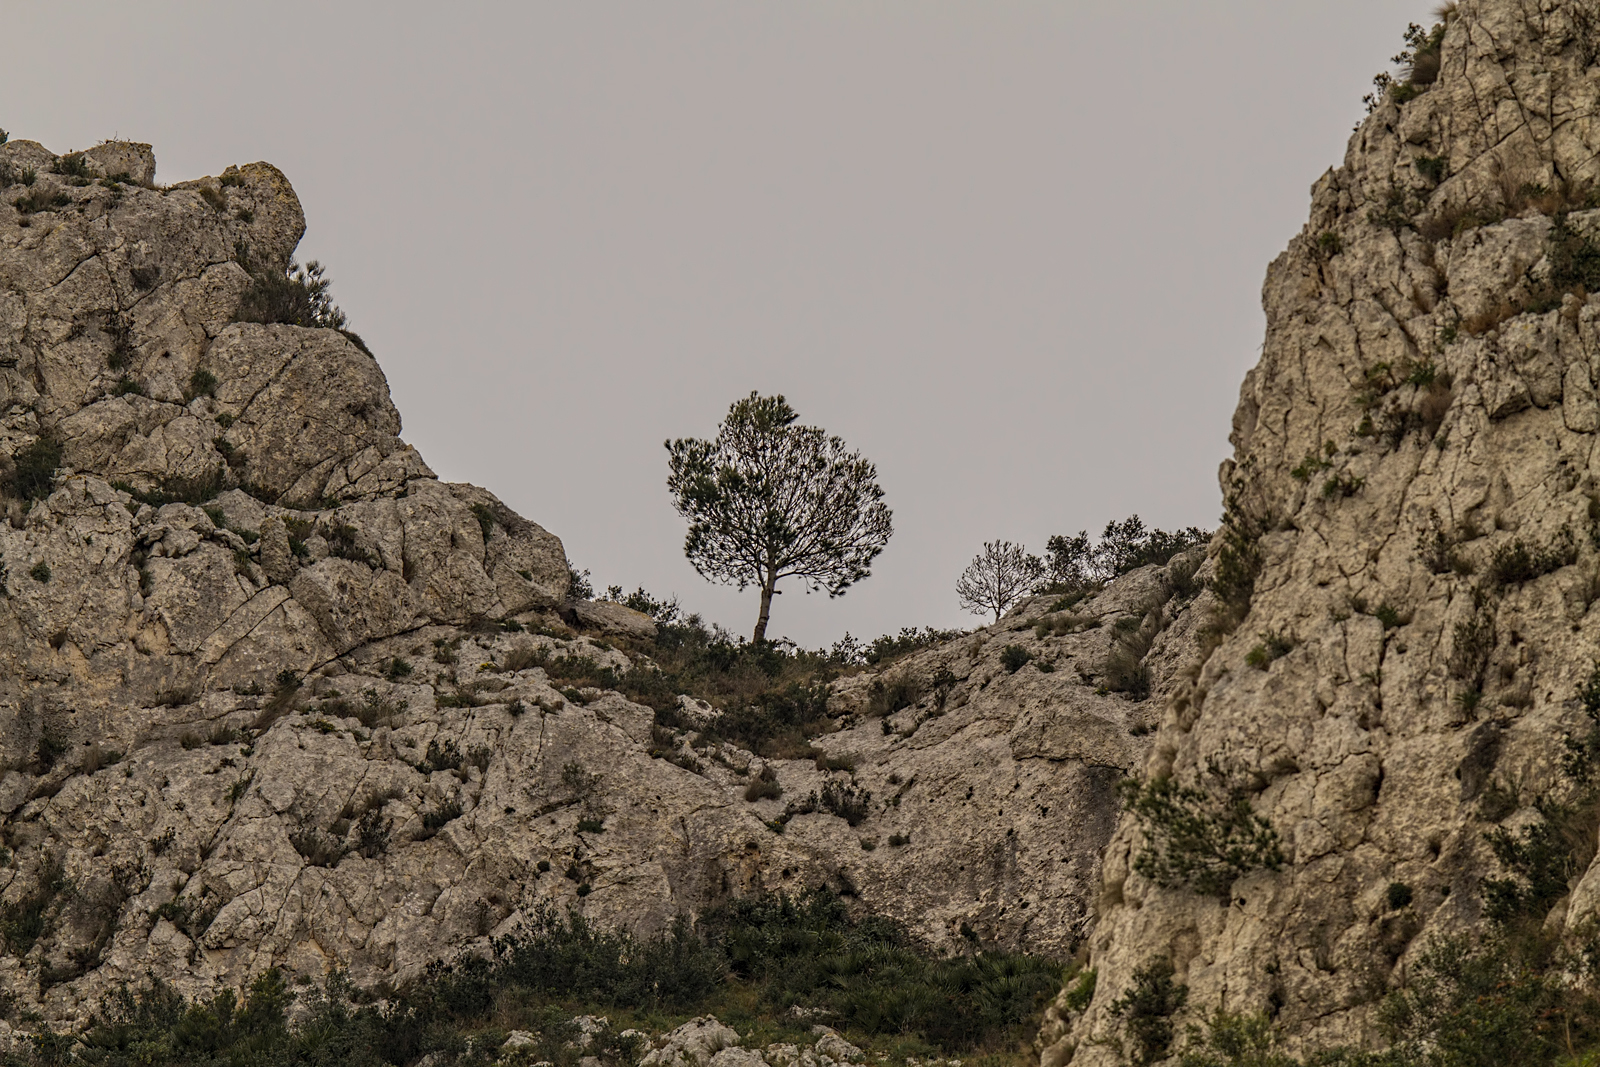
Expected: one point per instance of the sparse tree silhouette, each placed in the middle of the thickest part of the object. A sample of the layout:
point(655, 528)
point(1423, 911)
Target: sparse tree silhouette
point(998, 577)
point(1076, 562)
point(768, 500)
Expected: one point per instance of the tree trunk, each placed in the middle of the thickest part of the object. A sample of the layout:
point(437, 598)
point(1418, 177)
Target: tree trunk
point(766, 609)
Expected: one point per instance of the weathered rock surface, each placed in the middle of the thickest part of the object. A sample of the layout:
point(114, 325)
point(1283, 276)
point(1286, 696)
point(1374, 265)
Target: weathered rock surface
point(1424, 402)
point(306, 722)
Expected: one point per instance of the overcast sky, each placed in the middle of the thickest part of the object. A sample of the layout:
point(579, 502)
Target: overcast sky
point(1011, 251)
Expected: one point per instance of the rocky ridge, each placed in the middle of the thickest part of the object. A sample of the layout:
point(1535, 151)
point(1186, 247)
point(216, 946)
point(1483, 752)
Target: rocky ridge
point(1414, 482)
point(274, 696)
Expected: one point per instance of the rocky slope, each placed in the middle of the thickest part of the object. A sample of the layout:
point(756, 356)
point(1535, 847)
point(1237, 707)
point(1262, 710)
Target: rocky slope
point(313, 717)
point(1413, 465)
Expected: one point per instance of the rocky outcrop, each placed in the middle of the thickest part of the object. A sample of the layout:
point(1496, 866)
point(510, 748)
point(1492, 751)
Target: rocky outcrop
point(271, 694)
point(1413, 470)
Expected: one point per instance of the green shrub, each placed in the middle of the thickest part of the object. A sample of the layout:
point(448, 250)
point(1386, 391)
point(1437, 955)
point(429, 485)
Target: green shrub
point(1273, 646)
point(1472, 643)
point(591, 826)
point(1075, 563)
point(202, 383)
point(1146, 1008)
point(846, 800)
point(1238, 563)
point(889, 695)
point(40, 199)
point(1517, 561)
point(26, 918)
point(763, 788)
point(1398, 895)
point(297, 296)
point(178, 490)
point(33, 469)
point(1432, 168)
point(436, 819)
point(1014, 657)
point(73, 165)
point(40, 572)
point(1200, 839)
point(485, 516)
point(1080, 993)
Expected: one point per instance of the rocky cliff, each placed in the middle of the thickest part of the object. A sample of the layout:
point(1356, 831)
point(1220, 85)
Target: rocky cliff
point(1413, 498)
point(273, 695)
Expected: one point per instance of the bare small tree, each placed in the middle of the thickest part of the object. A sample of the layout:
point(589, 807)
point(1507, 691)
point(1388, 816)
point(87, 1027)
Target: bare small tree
point(998, 577)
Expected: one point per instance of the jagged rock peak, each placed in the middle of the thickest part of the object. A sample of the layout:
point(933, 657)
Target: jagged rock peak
point(1411, 496)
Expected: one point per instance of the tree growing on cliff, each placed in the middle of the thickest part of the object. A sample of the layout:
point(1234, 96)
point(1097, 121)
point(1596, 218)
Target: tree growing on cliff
point(768, 500)
point(998, 577)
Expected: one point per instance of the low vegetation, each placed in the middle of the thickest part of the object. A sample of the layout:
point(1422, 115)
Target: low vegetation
point(1202, 839)
point(748, 963)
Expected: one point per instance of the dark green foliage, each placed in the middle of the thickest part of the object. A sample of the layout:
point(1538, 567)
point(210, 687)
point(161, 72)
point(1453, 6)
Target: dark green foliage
point(1014, 657)
point(1076, 563)
point(1398, 895)
point(485, 516)
point(33, 469)
point(764, 787)
point(73, 165)
point(1488, 1002)
point(1583, 751)
point(1146, 1008)
point(662, 611)
point(1432, 168)
point(342, 542)
point(40, 198)
point(26, 919)
point(807, 950)
point(1573, 256)
point(436, 819)
point(886, 648)
point(774, 952)
point(1516, 561)
point(50, 748)
point(396, 669)
point(846, 800)
point(578, 584)
point(767, 499)
point(297, 296)
point(445, 757)
point(889, 695)
point(1238, 562)
point(1541, 858)
point(40, 572)
point(202, 383)
point(1273, 646)
point(1201, 839)
point(1419, 63)
point(591, 826)
point(178, 490)
point(1473, 641)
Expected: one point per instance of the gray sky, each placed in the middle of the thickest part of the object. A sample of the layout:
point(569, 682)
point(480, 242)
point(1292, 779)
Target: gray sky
point(1011, 251)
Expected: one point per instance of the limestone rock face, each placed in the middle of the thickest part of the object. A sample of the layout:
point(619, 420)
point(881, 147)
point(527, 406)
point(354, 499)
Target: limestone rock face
point(1423, 412)
point(271, 694)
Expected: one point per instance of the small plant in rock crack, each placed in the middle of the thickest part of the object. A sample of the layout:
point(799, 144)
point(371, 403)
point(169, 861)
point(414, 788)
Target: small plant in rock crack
point(1200, 839)
point(1273, 646)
